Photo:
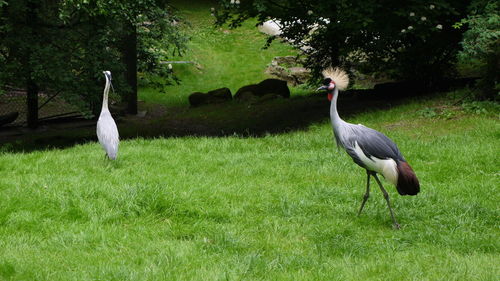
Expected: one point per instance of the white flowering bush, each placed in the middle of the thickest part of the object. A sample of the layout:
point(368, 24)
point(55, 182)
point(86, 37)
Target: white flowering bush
point(406, 40)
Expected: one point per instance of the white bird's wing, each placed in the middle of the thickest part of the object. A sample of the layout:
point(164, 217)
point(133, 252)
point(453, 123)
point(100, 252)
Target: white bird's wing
point(107, 133)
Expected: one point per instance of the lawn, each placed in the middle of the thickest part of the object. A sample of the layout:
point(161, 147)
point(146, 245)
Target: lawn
point(278, 207)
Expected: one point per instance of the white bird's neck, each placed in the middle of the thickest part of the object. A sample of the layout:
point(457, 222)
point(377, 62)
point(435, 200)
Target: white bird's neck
point(105, 96)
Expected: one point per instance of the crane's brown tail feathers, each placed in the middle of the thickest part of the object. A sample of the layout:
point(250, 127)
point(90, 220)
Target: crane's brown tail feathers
point(407, 180)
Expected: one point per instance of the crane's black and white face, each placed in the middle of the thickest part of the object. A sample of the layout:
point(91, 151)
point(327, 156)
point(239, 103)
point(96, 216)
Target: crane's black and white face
point(328, 85)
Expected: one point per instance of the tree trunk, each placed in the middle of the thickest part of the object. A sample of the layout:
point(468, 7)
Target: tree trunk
point(31, 86)
point(130, 60)
point(32, 104)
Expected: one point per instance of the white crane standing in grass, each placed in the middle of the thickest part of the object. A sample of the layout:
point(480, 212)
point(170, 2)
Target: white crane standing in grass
point(107, 133)
point(368, 148)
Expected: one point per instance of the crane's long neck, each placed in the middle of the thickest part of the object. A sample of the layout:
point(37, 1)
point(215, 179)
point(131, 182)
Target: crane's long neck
point(105, 95)
point(337, 122)
point(334, 115)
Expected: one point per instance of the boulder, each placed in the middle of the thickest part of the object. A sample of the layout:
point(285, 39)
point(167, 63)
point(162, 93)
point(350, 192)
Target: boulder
point(215, 96)
point(246, 96)
point(286, 61)
point(223, 94)
point(197, 99)
point(290, 69)
point(268, 86)
point(249, 89)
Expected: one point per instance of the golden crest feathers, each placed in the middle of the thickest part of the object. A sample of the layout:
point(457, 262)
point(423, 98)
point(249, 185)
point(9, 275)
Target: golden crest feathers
point(338, 76)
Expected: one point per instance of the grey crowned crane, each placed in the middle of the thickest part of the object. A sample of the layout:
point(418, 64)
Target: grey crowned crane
point(107, 133)
point(368, 148)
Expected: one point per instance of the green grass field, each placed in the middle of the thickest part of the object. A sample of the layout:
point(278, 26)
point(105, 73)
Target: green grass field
point(277, 207)
point(280, 207)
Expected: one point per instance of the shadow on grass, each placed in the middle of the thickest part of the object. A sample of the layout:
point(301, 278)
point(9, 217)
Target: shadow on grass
point(243, 119)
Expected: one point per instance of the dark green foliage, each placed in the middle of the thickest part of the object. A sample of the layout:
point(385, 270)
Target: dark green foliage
point(64, 45)
point(481, 45)
point(408, 40)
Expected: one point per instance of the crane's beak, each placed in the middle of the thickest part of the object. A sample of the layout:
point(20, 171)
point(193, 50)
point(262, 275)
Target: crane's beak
point(324, 87)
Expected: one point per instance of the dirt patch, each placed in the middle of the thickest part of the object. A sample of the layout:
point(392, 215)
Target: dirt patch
point(240, 118)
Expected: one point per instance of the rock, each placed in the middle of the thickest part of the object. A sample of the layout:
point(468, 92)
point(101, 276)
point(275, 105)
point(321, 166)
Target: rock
point(286, 61)
point(270, 96)
point(268, 86)
point(299, 74)
point(216, 96)
point(253, 88)
point(290, 69)
point(275, 86)
point(197, 99)
point(222, 94)
point(246, 96)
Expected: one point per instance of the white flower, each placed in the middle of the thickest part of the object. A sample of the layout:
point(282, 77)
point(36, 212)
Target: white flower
point(309, 12)
point(410, 27)
point(412, 14)
point(439, 26)
point(423, 18)
point(431, 7)
point(403, 30)
point(170, 66)
point(212, 9)
point(212, 14)
point(326, 21)
point(237, 2)
point(232, 2)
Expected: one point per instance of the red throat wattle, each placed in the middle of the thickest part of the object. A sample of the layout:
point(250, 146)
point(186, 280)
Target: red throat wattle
point(330, 97)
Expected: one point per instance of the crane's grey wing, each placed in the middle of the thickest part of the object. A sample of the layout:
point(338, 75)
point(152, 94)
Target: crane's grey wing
point(108, 136)
point(372, 143)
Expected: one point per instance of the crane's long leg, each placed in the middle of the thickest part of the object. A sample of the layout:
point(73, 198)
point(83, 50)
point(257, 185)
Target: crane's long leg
point(367, 193)
point(386, 196)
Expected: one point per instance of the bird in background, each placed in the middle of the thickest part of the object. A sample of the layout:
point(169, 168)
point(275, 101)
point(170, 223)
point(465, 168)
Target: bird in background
point(367, 147)
point(107, 132)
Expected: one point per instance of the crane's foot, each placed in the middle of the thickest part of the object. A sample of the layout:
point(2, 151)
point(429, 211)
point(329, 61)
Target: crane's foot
point(386, 196)
point(365, 197)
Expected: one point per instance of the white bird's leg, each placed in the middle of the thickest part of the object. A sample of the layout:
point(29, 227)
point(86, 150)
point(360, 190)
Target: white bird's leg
point(386, 196)
point(367, 193)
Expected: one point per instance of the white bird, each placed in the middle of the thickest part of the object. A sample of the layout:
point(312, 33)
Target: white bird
point(107, 133)
point(368, 148)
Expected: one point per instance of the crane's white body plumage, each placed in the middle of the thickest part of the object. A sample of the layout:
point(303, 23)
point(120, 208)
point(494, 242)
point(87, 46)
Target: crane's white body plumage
point(107, 132)
point(385, 167)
